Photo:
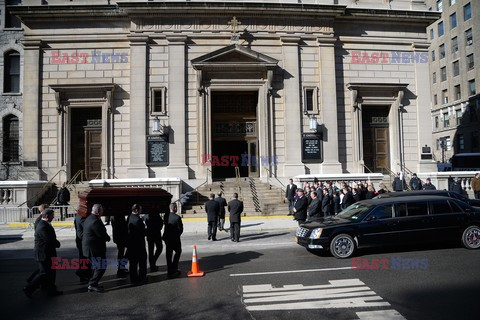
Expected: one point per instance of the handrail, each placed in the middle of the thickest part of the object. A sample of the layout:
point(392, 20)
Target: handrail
point(195, 189)
point(44, 186)
point(70, 183)
point(363, 165)
point(282, 193)
point(237, 176)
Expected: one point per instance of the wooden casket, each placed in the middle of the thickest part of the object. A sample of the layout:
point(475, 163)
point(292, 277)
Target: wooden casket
point(119, 201)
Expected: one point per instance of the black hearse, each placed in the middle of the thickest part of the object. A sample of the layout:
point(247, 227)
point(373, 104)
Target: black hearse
point(390, 221)
point(441, 193)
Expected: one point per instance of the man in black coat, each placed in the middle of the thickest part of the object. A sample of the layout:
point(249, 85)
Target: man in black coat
point(171, 236)
point(94, 245)
point(399, 183)
point(428, 185)
point(415, 183)
point(300, 207)
point(137, 254)
point(326, 206)
point(120, 234)
point(63, 198)
point(314, 208)
point(235, 208)
point(290, 195)
point(347, 198)
point(154, 224)
point(45, 249)
point(221, 218)
point(41, 209)
point(212, 208)
point(83, 274)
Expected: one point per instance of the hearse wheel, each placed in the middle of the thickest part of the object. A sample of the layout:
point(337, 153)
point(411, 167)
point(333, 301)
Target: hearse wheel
point(471, 237)
point(342, 246)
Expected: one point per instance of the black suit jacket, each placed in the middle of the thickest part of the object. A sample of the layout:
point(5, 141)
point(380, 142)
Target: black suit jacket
point(212, 208)
point(45, 241)
point(301, 206)
point(94, 237)
point(347, 200)
point(313, 209)
point(326, 204)
point(79, 221)
point(222, 203)
point(154, 224)
point(290, 192)
point(235, 207)
point(173, 229)
point(136, 235)
point(119, 229)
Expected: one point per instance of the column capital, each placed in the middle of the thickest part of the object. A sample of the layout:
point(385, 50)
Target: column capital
point(326, 40)
point(290, 40)
point(177, 39)
point(138, 40)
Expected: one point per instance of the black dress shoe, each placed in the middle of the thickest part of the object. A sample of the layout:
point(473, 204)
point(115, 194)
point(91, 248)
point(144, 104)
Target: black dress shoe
point(174, 274)
point(209, 237)
point(95, 289)
point(27, 292)
point(214, 239)
point(55, 293)
point(232, 239)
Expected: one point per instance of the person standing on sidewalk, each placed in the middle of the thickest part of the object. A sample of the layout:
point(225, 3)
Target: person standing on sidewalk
point(235, 208)
point(154, 224)
point(171, 235)
point(63, 198)
point(212, 208)
point(94, 241)
point(83, 274)
point(290, 196)
point(221, 218)
point(137, 254)
point(45, 249)
point(300, 207)
point(120, 234)
point(415, 183)
point(476, 185)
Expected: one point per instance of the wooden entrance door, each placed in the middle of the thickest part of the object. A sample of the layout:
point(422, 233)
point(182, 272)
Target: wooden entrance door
point(93, 152)
point(376, 146)
point(381, 153)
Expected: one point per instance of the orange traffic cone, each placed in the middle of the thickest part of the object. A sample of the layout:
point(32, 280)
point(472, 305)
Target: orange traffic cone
point(195, 269)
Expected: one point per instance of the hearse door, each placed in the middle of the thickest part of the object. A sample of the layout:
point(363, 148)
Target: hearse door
point(415, 225)
point(447, 219)
point(379, 227)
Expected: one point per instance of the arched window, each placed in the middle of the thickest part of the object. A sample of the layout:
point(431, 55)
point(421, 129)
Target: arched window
point(10, 139)
point(11, 81)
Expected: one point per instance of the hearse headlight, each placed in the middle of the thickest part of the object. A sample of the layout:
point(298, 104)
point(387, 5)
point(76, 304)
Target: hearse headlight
point(316, 233)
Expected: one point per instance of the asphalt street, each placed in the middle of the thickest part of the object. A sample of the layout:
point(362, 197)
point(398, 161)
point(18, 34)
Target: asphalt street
point(265, 276)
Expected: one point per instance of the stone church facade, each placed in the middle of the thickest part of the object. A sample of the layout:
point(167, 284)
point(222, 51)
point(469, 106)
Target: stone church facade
point(163, 89)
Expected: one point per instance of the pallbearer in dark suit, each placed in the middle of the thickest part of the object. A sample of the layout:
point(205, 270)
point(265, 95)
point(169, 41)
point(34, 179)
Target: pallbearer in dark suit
point(83, 274)
point(41, 208)
point(314, 208)
point(212, 208)
point(94, 245)
point(120, 234)
point(300, 207)
point(235, 207)
point(171, 236)
point(222, 203)
point(326, 203)
point(154, 224)
point(290, 195)
point(137, 254)
point(45, 249)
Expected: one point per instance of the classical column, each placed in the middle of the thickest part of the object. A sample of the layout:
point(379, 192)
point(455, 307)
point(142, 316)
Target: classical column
point(177, 107)
point(138, 107)
point(31, 114)
point(424, 116)
point(293, 131)
point(328, 96)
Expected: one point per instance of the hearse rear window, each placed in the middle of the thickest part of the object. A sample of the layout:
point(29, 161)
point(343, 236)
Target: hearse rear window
point(417, 209)
point(401, 210)
point(441, 207)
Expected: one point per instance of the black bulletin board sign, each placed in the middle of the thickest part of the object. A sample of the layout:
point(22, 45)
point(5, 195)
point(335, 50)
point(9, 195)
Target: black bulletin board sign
point(312, 151)
point(157, 151)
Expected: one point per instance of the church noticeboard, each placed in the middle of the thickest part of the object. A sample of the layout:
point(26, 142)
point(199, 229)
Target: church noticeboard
point(157, 151)
point(312, 149)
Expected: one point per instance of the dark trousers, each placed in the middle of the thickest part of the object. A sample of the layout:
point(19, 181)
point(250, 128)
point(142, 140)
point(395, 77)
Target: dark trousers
point(290, 206)
point(152, 253)
point(212, 229)
point(82, 273)
point(221, 223)
point(97, 273)
point(45, 277)
point(120, 254)
point(235, 230)
point(172, 264)
point(138, 265)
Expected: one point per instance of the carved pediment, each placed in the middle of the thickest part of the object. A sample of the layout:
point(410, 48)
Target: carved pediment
point(236, 56)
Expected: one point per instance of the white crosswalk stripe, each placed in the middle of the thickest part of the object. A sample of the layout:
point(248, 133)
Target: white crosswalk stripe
point(346, 293)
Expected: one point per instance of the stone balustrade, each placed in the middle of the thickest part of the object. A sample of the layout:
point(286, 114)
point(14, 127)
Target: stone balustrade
point(16, 193)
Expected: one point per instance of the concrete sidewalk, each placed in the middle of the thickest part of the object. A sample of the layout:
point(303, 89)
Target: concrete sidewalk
point(66, 229)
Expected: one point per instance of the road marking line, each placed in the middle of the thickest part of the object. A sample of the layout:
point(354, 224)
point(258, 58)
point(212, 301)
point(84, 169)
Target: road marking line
point(380, 315)
point(289, 287)
point(288, 271)
point(278, 297)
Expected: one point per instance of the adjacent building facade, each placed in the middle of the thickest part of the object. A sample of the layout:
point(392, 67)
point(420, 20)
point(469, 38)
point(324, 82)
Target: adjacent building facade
point(454, 77)
point(193, 89)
